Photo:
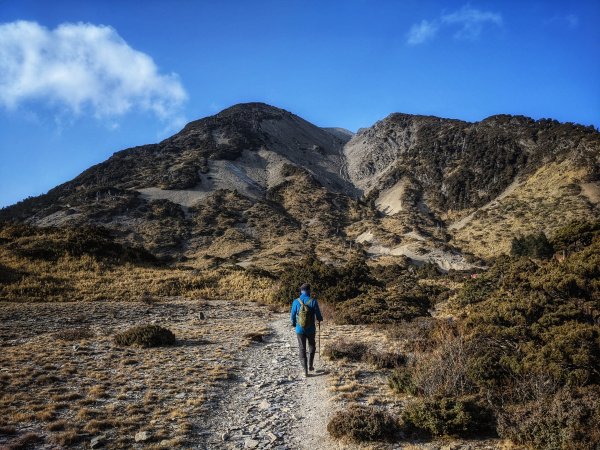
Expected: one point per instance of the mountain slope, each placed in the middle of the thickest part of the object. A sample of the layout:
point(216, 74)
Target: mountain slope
point(475, 185)
point(226, 186)
point(257, 185)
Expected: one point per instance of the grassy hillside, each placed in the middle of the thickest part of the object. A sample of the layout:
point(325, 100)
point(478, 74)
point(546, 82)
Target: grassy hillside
point(65, 264)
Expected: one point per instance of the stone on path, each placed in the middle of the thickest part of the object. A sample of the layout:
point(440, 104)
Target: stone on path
point(98, 441)
point(142, 436)
point(264, 405)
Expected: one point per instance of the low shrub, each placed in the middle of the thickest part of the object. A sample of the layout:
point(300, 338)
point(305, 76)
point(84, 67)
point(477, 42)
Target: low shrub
point(146, 336)
point(352, 351)
point(383, 306)
point(442, 367)
point(381, 359)
point(358, 351)
point(446, 416)
point(415, 335)
point(570, 419)
point(329, 283)
point(362, 423)
point(74, 334)
point(401, 381)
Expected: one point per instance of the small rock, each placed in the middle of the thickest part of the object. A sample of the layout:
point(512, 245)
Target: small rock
point(251, 443)
point(272, 436)
point(98, 441)
point(180, 395)
point(225, 436)
point(142, 436)
point(264, 405)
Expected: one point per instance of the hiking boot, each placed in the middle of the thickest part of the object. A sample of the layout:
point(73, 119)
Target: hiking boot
point(311, 358)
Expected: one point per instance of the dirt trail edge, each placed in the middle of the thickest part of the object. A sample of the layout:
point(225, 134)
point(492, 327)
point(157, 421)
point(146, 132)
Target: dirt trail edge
point(271, 405)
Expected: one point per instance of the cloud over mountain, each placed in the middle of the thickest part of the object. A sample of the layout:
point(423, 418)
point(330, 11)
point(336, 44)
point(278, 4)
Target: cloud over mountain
point(83, 68)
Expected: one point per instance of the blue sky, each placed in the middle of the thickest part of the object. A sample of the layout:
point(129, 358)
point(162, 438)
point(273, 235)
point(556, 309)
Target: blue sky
point(81, 80)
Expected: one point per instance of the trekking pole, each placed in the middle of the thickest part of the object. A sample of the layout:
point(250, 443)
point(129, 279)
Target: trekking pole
point(319, 323)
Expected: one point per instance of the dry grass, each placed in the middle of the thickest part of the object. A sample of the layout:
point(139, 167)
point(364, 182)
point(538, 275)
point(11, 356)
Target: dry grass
point(86, 279)
point(68, 391)
point(40, 266)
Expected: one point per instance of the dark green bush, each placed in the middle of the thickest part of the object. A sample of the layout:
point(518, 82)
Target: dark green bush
point(146, 336)
point(391, 305)
point(533, 245)
point(575, 236)
point(446, 416)
point(537, 318)
point(362, 423)
point(332, 284)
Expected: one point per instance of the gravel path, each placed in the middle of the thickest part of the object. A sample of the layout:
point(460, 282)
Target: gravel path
point(271, 405)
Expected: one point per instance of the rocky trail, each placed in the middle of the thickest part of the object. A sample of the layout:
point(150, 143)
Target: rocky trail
point(271, 404)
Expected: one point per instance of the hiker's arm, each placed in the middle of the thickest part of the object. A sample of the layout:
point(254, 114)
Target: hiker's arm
point(318, 312)
point(293, 314)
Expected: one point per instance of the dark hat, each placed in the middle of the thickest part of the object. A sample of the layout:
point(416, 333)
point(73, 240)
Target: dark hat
point(305, 287)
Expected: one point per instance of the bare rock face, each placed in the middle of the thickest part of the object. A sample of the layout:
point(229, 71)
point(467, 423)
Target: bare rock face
point(255, 183)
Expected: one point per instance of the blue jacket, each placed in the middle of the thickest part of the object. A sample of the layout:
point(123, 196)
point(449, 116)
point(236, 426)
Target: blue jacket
point(296, 308)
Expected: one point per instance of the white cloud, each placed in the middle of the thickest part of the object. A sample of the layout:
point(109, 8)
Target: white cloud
point(83, 68)
point(570, 21)
point(470, 23)
point(421, 32)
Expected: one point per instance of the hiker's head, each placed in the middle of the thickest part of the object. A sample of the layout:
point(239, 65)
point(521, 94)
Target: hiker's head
point(305, 289)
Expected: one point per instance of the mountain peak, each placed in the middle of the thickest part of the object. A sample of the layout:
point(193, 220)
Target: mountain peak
point(240, 113)
point(253, 107)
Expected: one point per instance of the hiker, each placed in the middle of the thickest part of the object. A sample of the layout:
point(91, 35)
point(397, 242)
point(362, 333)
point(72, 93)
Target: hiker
point(304, 310)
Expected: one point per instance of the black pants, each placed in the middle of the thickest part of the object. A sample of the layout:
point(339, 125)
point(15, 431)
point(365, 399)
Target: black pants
point(302, 338)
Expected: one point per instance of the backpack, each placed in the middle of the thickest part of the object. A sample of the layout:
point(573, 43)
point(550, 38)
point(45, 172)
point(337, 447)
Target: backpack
point(305, 316)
